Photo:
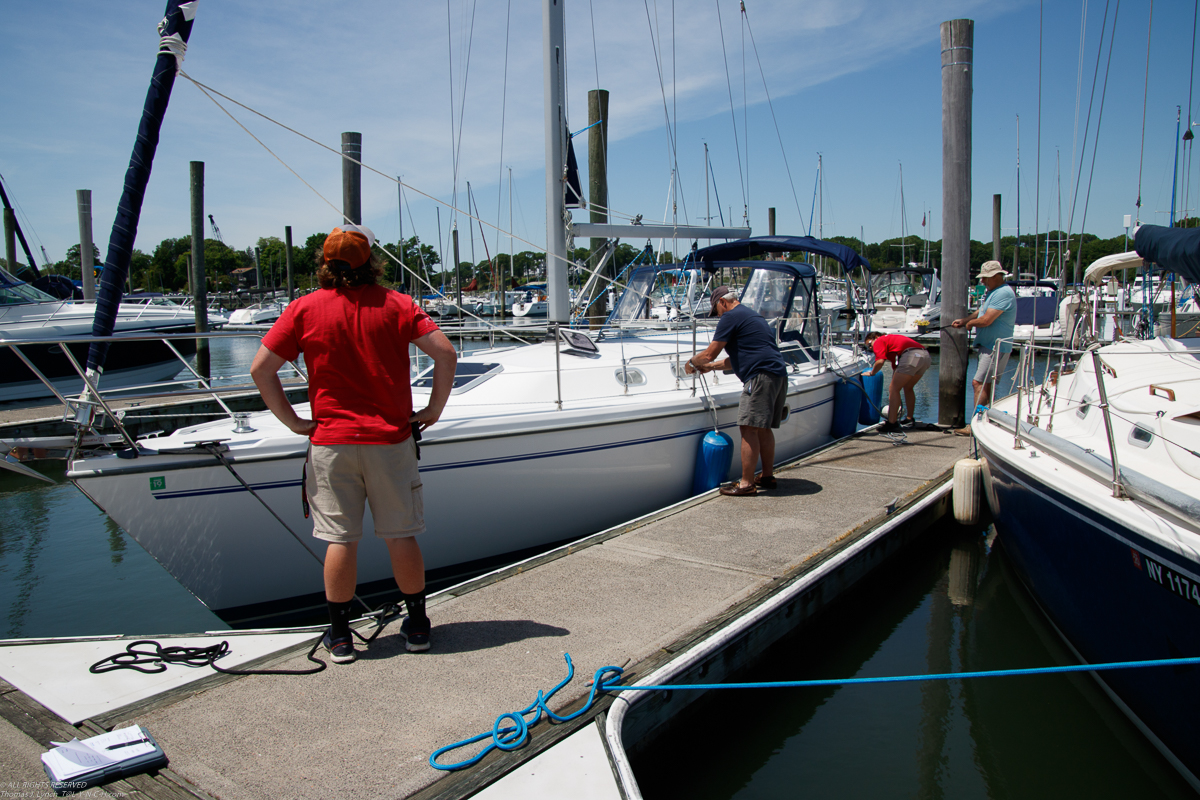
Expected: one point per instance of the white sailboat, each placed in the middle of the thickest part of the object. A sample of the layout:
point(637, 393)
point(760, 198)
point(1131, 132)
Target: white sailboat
point(600, 427)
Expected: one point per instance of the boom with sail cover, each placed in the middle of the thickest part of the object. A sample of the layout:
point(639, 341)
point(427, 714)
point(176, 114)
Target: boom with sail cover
point(174, 29)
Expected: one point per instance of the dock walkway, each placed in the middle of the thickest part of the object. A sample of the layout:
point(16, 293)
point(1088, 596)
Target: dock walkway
point(633, 596)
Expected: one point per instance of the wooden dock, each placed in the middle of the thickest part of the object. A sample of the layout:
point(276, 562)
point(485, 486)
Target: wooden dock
point(633, 596)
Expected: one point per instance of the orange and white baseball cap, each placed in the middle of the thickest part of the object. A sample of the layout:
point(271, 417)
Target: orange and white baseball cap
point(349, 243)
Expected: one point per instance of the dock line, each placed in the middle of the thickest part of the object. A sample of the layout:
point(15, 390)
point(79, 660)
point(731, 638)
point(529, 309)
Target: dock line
point(604, 680)
point(513, 736)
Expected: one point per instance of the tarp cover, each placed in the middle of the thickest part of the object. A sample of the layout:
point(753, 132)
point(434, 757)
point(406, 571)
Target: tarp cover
point(760, 245)
point(1111, 263)
point(1174, 249)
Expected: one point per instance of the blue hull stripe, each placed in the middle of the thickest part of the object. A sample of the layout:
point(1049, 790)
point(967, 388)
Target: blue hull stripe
point(483, 462)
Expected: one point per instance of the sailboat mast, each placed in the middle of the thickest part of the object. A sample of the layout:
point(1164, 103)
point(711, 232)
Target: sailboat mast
point(1017, 246)
point(556, 127)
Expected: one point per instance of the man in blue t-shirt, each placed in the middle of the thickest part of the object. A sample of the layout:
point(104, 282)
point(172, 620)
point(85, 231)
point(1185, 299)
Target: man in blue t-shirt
point(755, 359)
point(994, 322)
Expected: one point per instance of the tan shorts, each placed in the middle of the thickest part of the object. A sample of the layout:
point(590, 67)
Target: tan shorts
point(913, 361)
point(342, 477)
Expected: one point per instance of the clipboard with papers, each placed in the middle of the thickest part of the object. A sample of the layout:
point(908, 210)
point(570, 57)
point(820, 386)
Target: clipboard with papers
point(79, 764)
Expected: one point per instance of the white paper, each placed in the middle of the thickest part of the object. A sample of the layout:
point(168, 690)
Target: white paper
point(74, 758)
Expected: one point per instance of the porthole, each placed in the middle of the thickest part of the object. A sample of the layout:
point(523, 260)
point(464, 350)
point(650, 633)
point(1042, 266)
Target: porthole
point(1141, 436)
point(630, 376)
point(787, 412)
point(1082, 411)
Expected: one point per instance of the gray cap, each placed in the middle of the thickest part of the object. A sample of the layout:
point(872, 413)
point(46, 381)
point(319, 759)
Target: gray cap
point(718, 293)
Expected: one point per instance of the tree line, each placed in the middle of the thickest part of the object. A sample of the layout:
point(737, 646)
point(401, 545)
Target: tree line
point(166, 268)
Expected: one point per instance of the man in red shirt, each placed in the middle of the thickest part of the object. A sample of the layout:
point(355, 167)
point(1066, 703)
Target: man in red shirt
point(354, 335)
point(909, 360)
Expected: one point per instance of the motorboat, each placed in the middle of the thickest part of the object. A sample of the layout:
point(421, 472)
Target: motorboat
point(263, 313)
point(604, 426)
point(44, 325)
point(1093, 477)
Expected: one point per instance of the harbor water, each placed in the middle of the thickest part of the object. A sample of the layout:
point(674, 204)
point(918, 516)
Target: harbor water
point(952, 604)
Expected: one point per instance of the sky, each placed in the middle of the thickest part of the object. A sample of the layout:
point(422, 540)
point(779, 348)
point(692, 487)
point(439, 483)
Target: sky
point(450, 93)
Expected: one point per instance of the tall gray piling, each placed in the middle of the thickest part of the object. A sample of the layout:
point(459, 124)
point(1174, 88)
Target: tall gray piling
point(287, 249)
point(352, 176)
point(957, 66)
point(199, 289)
point(10, 239)
point(996, 234)
point(87, 259)
point(598, 190)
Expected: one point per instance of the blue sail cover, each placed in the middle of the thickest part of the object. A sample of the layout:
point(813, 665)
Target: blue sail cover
point(177, 26)
point(1172, 249)
point(761, 245)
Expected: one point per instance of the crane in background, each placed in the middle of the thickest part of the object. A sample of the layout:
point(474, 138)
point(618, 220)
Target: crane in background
point(216, 230)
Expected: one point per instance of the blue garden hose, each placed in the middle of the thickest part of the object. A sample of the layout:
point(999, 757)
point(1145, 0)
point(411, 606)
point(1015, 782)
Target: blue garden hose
point(605, 680)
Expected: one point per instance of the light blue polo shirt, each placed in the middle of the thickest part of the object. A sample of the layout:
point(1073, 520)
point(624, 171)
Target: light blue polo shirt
point(1004, 298)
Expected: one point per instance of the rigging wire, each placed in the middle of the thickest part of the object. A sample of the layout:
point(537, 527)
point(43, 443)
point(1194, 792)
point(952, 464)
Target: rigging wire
point(1086, 129)
point(1037, 180)
point(503, 119)
point(656, 49)
point(745, 114)
point(1145, 95)
point(778, 134)
point(1096, 142)
point(1188, 135)
point(732, 112)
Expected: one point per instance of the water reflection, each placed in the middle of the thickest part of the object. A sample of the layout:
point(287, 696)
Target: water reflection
point(950, 606)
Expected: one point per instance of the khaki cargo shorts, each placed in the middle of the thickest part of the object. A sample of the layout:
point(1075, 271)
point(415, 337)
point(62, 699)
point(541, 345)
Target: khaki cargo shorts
point(913, 361)
point(343, 477)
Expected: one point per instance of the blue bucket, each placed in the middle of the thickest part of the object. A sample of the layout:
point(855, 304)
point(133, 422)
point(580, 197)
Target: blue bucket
point(847, 405)
point(872, 399)
point(712, 462)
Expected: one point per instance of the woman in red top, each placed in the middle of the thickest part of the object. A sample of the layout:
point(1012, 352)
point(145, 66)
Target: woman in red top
point(909, 360)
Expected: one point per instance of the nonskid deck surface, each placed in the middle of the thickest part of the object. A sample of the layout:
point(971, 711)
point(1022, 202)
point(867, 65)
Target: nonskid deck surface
point(630, 596)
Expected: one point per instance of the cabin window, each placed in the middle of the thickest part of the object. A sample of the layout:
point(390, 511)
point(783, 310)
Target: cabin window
point(467, 375)
point(1082, 411)
point(630, 376)
point(1141, 436)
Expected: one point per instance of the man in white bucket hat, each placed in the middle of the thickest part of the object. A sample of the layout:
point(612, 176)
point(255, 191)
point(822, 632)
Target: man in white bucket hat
point(993, 321)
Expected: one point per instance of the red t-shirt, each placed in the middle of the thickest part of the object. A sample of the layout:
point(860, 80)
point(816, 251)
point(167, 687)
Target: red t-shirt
point(889, 347)
point(355, 345)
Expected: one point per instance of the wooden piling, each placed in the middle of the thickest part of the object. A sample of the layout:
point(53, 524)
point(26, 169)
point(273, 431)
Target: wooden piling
point(352, 176)
point(957, 39)
point(996, 234)
point(199, 289)
point(598, 191)
point(87, 259)
point(10, 239)
point(287, 249)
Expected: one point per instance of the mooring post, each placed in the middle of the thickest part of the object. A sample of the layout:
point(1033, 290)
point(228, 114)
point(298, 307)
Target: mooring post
point(87, 259)
point(287, 249)
point(957, 39)
point(598, 192)
point(199, 290)
point(352, 176)
point(996, 234)
point(10, 239)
